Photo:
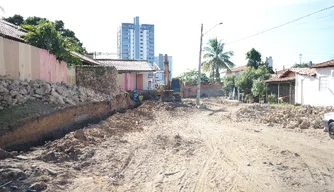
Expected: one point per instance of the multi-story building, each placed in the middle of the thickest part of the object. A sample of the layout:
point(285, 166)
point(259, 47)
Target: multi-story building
point(136, 41)
point(159, 60)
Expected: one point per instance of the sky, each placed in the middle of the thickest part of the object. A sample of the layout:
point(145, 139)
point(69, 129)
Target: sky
point(177, 26)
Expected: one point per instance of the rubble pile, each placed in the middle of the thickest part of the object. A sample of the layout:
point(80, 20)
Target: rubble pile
point(286, 116)
point(14, 92)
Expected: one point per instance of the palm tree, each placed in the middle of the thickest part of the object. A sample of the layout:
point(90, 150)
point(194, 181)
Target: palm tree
point(216, 59)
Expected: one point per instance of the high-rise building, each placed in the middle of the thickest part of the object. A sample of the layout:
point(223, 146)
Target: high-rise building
point(136, 41)
point(159, 60)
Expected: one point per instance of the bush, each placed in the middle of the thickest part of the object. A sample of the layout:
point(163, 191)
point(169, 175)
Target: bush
point(272, 98)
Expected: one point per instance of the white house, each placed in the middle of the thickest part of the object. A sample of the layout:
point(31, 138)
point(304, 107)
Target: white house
point(316, 90)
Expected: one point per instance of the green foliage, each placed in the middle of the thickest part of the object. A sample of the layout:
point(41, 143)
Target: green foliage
point(259, 88)
point(68, 35)
point(16, 20)
point(247, 76)
point(229, 83)
point(191, 77)
point(272, 98)
point(229, 80)
point(45, 36)
point(297, 65)
point(216, 59)
point(254, 58)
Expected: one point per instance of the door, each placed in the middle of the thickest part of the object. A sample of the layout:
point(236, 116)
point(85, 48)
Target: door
point(139, 81)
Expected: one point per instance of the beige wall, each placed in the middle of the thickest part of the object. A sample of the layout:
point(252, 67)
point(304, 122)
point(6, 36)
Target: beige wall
point(26, 62)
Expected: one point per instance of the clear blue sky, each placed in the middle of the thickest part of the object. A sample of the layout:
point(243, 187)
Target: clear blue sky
point(177, 26)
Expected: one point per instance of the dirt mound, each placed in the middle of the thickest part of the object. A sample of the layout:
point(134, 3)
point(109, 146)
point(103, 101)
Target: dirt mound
point(285, 116)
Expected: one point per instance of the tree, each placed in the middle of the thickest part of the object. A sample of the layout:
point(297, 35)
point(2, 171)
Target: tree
point(229, 83)
point(45, 36)
point(254, 58)
point(16, 20)
point(259, 88)
point(191, 77)
point(58, 25)
point(216, 58)
point(247, 77)
point(33, 20)
point(297, 65)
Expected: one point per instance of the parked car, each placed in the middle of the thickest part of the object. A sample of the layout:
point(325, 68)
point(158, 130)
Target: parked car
point(329, 123)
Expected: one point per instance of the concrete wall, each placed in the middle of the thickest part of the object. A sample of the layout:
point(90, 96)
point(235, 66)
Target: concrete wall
point(206, 90)
point(26, 62)
point(308, 91)
point(98, 78)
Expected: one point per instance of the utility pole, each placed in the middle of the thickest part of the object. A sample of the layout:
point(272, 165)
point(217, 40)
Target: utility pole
point(300, 59)
point(199, 69)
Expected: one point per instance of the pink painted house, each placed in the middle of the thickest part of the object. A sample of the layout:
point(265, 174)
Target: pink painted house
point(132, 74)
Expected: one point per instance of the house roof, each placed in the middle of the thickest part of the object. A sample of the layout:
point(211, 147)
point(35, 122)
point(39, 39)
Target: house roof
point(127, 65)
point(324, 64)
point(85, 58)
point(238, 69)
point(284, 79)
point(11, 31)
point(301, 71)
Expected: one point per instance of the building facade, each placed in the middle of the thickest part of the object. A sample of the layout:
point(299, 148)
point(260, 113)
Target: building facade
point(136, 41)
point(159, 60)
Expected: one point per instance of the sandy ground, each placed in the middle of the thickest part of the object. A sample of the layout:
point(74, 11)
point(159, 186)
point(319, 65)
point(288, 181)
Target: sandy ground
point(181, 148)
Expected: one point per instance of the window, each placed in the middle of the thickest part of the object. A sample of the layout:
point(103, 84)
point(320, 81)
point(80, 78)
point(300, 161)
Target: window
point(332, 74)
point(323, 83)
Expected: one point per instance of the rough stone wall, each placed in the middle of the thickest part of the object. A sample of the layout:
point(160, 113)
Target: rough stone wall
point(13, 92)
point(284, 91)
point(206, 91)
point(98, 78)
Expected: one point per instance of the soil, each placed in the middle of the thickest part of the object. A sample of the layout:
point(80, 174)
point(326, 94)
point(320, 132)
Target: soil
point(10, 116)
point(176, 147)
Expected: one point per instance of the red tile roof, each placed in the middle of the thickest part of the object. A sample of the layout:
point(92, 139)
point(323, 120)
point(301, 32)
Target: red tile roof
point(284, 79)
point(238, 69)
point(300, 71)
point(324, 64)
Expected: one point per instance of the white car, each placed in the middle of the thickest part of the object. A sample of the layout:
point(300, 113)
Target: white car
point(329, 123)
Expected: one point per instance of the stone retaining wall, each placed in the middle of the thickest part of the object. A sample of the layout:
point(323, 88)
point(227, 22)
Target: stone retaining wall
point(99, 78)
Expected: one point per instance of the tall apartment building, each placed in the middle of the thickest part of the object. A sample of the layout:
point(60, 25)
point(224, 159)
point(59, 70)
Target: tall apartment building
point(136, 41)
point(159, 60)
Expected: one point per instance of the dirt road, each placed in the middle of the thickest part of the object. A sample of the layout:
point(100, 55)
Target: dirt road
point(186, 149)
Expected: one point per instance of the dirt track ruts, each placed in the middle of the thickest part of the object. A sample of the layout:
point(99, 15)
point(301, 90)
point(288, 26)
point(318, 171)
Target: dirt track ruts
point(187, 149)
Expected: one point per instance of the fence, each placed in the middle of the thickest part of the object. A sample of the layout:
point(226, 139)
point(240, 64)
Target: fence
point(26, 62)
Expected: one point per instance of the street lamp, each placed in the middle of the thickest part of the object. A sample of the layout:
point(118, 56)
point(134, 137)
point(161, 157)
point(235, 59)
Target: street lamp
point(200, 63)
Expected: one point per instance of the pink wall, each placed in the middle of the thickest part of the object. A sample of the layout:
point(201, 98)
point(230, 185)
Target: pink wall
point(26, 62)
point(129, 81)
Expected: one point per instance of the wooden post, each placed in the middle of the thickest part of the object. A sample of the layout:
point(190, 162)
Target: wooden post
point(278, 93)
point(290, 94)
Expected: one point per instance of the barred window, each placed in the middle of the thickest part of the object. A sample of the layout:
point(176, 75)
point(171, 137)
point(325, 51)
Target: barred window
point(323, 83)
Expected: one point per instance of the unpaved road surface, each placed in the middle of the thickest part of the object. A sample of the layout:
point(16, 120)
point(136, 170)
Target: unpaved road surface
point(181, 148)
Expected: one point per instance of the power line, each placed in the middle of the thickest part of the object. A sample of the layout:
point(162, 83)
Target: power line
point(292, 21)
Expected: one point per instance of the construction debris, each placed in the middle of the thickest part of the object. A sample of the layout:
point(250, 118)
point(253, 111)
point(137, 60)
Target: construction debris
point(285, 116)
